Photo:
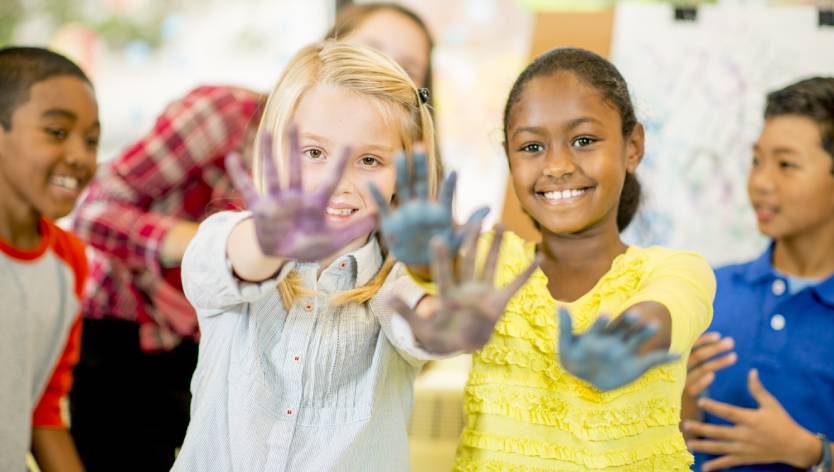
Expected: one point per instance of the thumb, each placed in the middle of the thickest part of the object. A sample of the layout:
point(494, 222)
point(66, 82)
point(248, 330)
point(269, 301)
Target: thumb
point(760, 394)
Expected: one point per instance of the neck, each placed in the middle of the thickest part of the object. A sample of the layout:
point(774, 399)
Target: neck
point(574, 263)
point(351, 247)
point(808, 255)
point(19, 222)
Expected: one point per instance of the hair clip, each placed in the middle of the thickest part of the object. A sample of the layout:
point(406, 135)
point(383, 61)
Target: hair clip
point(423, 93)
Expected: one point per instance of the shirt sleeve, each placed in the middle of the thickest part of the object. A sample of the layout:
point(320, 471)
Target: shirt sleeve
point(394, 327)
point(191, 133)
point(684, 283)
point(208, 280)
point(48, 410)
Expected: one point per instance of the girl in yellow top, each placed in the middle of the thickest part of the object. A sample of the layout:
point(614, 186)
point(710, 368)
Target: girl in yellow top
point(580, 392)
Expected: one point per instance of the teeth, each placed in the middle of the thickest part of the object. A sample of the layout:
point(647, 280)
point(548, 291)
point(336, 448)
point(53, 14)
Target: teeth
point(563, 195)
point(339, 211)
point(65, 181)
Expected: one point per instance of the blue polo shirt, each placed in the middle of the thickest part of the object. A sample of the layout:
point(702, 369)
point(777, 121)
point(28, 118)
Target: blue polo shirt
point(788, 337)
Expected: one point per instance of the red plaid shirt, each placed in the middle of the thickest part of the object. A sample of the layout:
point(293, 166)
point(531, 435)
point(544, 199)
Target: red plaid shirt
point(174, 173)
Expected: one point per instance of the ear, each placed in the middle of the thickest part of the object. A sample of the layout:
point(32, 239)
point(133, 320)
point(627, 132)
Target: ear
point(634, 148)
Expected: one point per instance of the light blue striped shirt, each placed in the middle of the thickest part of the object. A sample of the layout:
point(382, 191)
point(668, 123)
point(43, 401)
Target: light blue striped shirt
point(316, 388)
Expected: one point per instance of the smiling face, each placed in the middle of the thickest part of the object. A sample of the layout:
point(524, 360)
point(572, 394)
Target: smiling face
point(331, 119)
point(790, 185)
point(48, 155)
point(567, 154)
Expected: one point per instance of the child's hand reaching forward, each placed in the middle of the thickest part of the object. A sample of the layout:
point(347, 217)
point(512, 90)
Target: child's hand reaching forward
point(290, 223)
point(608, 354)
point(463, 315)
point(408, 228)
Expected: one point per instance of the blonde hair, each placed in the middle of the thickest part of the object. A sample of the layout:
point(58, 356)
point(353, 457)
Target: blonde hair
point(372, 76)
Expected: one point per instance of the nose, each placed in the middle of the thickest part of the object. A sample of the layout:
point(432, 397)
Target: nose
point(761, 180)
point(80, 154)
point(558, 163)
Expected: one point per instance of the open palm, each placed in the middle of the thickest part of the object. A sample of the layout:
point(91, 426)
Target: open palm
point(608, 354)
point(289, 222)
point(469, 305)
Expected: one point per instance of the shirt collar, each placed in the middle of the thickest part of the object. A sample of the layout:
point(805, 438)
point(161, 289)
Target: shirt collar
point(367, 260)
point(762, 269)
point(825, 290)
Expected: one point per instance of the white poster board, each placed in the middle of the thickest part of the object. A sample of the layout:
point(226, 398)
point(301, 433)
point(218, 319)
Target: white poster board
point(699, 88)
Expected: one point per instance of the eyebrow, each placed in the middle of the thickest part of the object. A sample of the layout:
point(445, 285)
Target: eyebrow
point(60, 112)
point(580, 121)
point(66, 114)
point(364, 147)
point(779, 151)
point(569, 126)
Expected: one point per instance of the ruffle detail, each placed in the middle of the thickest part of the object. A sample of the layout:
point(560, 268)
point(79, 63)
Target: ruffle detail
point(665, 455)
point(592, 424)
point(538, 370)
point(677, 462)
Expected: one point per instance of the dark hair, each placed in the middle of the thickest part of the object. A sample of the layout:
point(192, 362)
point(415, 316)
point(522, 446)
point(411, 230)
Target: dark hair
point(602, 75)
point(21, 68)
point(812, 98)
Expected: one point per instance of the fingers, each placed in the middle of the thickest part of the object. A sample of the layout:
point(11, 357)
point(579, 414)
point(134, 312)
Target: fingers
point(492, 255)
point(599, 326)
point(624, 326)
point(731, 413)
point(447, 191)
point(697, 383)
point(707, 347)
point(712, 431)
point(335, 176)
point(712, 447)
point(441, 265)
point(421, 183)
point(469, 252)
point(273, 184)
point(341, 236)
point(240, 178)
point(382, 206)
point(725, 462)
point(475, 219)
point(403, 186)
point(644, 332)
point(296, 180)
point(702, 376)
point(760, 394)
point(656, 358)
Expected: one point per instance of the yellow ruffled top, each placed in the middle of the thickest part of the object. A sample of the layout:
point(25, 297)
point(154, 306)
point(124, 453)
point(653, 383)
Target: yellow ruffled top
point(523, 412)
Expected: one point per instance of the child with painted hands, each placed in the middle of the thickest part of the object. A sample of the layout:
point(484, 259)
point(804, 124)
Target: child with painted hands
point(303, 364)
point(585, 367)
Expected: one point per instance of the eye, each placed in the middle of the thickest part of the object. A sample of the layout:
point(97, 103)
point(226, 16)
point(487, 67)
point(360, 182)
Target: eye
point(92, 141)
point(369, 161)
point(532, 147)
point(582, 141)
point(755, 161)
point(57, 133)
point(314, 154)
point(787, 165)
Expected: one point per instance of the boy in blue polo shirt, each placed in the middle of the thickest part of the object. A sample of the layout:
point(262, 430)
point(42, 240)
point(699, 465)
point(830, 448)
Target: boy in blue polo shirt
point(762, 396)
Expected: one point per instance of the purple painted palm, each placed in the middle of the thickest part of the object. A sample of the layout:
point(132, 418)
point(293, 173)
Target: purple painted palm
point(290, 222)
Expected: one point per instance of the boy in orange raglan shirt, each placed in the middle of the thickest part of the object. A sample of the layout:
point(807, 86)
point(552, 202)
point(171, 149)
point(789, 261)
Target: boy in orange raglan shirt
point(49, 131)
